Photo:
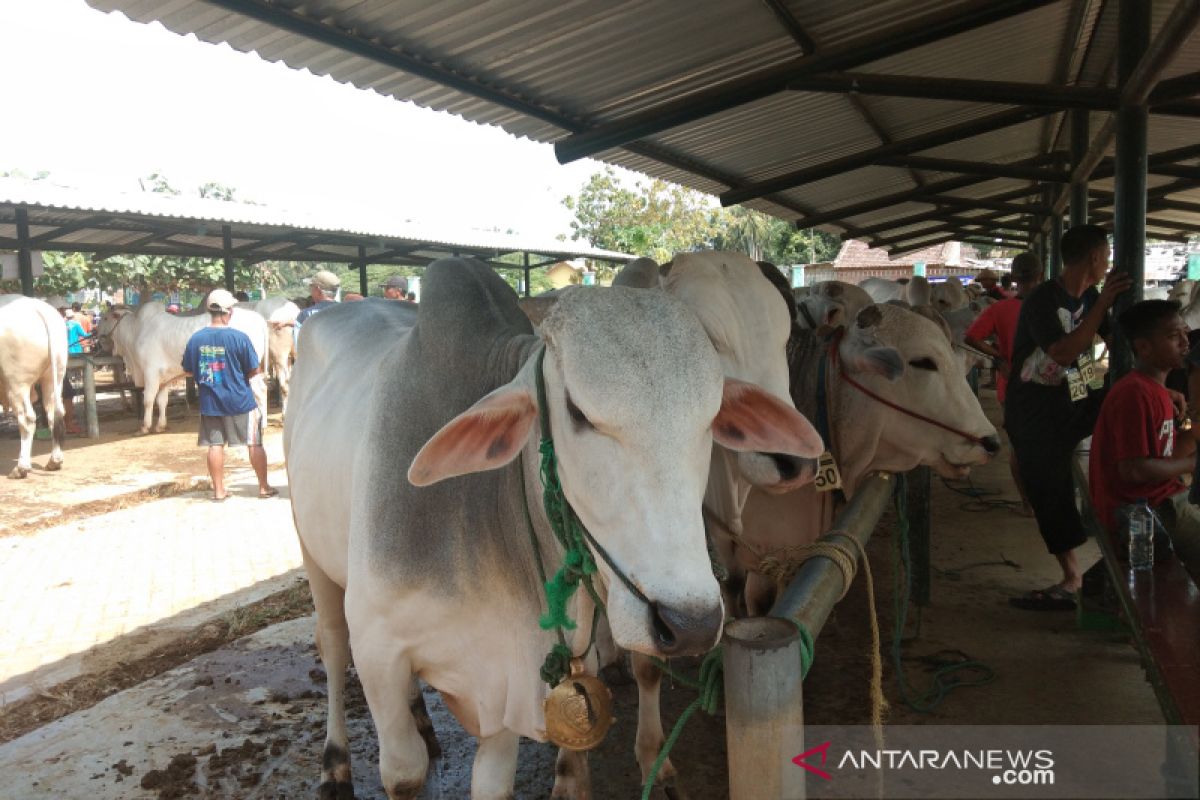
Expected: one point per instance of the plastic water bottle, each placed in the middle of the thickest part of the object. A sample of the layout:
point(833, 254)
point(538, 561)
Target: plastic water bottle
point(1141, 536)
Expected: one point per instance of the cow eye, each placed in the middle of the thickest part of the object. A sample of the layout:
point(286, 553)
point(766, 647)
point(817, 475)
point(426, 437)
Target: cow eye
point(577, 416)
point(924, 363)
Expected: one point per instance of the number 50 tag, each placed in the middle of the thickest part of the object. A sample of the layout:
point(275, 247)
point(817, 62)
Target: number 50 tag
point(828, 478)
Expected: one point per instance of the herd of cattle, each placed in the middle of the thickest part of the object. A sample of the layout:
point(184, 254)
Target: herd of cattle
point(683, 403)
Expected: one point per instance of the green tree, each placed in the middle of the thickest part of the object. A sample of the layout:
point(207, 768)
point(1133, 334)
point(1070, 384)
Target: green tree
point(659, 219)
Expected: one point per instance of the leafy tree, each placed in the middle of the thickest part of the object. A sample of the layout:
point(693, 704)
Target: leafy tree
point(659, 219)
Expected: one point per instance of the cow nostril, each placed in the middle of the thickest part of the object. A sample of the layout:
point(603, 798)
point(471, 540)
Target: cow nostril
point(991, 444)
point(663, 634)
point(788, 466)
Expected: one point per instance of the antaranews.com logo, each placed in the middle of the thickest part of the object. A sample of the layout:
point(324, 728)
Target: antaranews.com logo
point(1006, 767)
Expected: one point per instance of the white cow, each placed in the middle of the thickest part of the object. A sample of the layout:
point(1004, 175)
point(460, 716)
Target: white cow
point(882, 290)
point(151, 342)
point(897, 355)
point(33, 352)
point(948, 295)
point(830, 304)
point(281, 350)
point(435, 577)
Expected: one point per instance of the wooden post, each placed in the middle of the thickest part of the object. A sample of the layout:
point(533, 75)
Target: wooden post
point(24, 258)
point(919, 488)
point(1079, 149)
point(1129, 208)
point(362, 270)
point(89, 398)
point(764, 709)
point(227, 241)
point(526, 256)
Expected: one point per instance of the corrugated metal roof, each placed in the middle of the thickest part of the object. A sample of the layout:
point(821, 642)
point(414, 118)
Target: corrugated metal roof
point(568, 66)
point(200, 221)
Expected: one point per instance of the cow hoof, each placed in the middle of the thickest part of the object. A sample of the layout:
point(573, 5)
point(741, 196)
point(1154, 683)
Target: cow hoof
point(339, 790)
point(143, 431)
point(18, 473)
point(53, 466)
point(672, 791)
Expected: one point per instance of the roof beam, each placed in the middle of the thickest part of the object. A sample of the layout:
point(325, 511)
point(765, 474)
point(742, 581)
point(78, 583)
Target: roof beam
point(994, 205)
point(1175, 31)
point(959, 89)
point(987, 230)
point(942, 215)
point(72, 227)
point(1018, 171)
point(1182, 87)
point(838, 166)
point(792, 26)
point(949, 21)
point(926, 194)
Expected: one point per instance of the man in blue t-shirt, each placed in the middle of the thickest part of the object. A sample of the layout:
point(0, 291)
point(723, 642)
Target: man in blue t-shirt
point(222, 361)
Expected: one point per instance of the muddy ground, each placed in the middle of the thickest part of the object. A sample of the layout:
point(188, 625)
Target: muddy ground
point(244, 720)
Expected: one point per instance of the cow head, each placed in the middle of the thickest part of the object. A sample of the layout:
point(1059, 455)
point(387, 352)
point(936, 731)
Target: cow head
point(108, 325)
point(747, 321)
point(635, 398)
point(907, 360)
point(830, 305)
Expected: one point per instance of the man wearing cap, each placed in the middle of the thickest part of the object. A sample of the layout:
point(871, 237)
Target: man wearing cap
point(222, 361)
point(396, 288)
point(988, 279)
point(323, 288)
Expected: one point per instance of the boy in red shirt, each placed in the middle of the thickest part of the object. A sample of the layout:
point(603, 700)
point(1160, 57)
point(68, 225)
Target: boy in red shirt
point(1136, 452)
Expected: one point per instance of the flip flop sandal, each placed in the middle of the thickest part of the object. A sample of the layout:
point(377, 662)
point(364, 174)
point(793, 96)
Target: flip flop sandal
point(219, 499)
point(269, 493)
point(1053, 598)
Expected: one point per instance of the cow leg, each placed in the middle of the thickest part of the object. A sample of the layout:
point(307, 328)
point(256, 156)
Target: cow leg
point(416, 704)
point(495, 767)
point(649, 740)
point(333, 642)
point(160, 399)
point(572, 778)
point(149, 397)
point(385, 676)
point(22, 407)
point(56, 415)
point(759, 594)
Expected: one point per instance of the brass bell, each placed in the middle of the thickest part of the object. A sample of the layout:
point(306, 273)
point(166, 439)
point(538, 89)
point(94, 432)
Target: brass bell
point(579, 710)
point(1185, 424)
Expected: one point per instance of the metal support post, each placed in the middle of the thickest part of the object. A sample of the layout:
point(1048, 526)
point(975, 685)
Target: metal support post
point(1055, 235)
point(363, 289)
point(89, 398)
point(919, 517)
point(24, 258)
point(1079, 149)
point(764, 709)
point(227, 243)
point(526, 257)
point(1129, 209)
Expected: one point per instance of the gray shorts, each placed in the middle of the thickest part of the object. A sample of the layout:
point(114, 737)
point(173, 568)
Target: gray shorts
point(244, 429)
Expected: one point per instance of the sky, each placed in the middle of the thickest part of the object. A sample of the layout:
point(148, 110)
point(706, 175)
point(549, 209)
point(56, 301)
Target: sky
point(99, 101)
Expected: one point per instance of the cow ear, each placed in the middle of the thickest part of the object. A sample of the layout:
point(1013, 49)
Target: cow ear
point(752, 419)
point(486, 436)
point(871, 359)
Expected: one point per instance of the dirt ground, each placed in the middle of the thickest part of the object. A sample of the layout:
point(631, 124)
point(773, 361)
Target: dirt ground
point(244, 720)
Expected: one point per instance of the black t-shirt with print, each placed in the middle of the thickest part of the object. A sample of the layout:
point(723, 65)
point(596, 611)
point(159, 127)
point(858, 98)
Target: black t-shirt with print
point(1039, 400)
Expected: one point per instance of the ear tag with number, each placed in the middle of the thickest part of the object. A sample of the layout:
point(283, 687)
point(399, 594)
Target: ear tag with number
point(828, 477)
point(1077, 385)
point(1089, 372)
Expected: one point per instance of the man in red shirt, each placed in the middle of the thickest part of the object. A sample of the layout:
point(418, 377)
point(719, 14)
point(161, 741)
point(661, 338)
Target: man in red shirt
point(992, 333)
point(1135, 451)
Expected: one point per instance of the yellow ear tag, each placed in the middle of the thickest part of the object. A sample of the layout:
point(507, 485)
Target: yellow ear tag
point(828, 477)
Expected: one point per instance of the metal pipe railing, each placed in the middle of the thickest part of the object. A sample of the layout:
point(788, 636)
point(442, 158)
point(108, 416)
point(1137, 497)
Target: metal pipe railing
point(764, 703)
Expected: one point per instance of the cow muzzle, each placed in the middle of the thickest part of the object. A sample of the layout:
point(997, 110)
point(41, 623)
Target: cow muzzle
point(682, 633)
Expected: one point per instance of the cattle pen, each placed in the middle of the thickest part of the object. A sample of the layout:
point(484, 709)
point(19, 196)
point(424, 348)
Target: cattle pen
point(182, 661)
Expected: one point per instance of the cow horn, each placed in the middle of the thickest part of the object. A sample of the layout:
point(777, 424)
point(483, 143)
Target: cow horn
point(869, 317)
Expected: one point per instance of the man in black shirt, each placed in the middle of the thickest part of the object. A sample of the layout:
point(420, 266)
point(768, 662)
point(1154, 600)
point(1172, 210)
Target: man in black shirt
point(1054, 396)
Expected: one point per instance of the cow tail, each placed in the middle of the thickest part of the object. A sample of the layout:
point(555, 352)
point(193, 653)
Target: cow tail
point(56, 347)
